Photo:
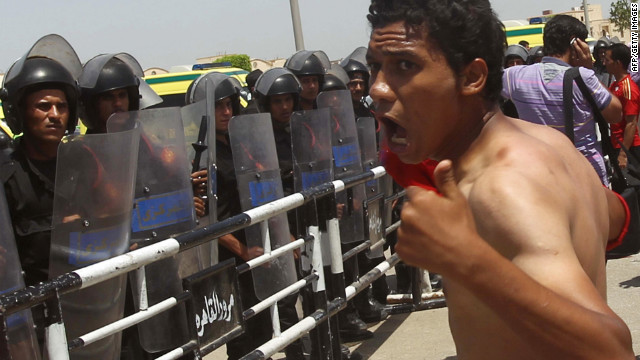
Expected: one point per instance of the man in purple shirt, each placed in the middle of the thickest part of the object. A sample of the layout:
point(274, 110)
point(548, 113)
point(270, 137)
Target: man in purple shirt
point(536, 90)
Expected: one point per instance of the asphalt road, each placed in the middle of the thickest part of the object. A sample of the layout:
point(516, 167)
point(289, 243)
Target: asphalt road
point(425, 335)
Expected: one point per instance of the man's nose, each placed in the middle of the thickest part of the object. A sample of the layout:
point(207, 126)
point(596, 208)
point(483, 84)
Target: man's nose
point(54, 112)
point(380, 90)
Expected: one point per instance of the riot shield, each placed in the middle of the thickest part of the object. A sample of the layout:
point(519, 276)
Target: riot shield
point(311, 148)
point(23, 343)
point(163, 206)
point(194, 120)
point(346, 162)
point(375, 199)
point(258, 175)
point(197, 119)
point(91, 222)
point(163, 203)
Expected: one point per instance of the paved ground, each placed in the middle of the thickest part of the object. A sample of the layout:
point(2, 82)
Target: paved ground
point(425, 335)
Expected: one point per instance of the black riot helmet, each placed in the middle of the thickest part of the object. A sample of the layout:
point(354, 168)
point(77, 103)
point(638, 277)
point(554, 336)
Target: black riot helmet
point(601, 44)
point(535, 55)
point(102, 74)
point(336, 79)
point(51, 63)
point(277, 81)
point(356, 65)
point(223, 85)
point(309, 63)
point(515, 51)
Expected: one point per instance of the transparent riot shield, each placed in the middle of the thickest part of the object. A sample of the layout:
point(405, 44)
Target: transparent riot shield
point(374, 197)
point(91, 222)
point(163, 206)
point(346, 162)
point(195, 119)
point(23, 343)
point(163, 203)
point(258, 175)
point(311, 148)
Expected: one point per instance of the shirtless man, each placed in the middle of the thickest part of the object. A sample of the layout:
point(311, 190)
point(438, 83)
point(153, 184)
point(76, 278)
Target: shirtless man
point(520, 230)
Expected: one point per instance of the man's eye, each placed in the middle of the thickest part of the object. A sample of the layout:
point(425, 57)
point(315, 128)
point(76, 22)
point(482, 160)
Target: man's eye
point(405, 65)
point(43, 107)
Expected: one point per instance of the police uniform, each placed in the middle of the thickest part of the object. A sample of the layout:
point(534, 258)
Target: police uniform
point(258, 328)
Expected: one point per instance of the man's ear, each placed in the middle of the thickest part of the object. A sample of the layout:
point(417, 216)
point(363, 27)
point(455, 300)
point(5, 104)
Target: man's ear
point(474, 77)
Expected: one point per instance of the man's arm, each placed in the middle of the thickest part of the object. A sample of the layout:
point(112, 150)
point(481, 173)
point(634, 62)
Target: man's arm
point(630, 130)
point(235, 246)
point(542, 293)
point(612, 113)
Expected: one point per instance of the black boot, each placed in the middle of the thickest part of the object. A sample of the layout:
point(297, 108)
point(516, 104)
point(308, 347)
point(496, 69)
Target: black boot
point(352, 328)
point(369, 309)
point(403, 279)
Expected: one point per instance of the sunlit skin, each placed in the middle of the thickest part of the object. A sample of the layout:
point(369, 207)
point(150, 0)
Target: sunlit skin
point(46, 115)
point(611, 65)
point(281, 107)
point(357, 87)
point(109, 103)
point(515, 290)
point(415, 92)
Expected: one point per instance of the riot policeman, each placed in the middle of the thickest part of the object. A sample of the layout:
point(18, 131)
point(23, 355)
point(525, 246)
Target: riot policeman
point(39, 97)
point(335, 79)
point(515, 55)
point(309, 67)
point(112, 83)
point(278, 92)
point(234, 245)
point(535, 55)
point(356, 67)
point(598, 65)
point(252, 77)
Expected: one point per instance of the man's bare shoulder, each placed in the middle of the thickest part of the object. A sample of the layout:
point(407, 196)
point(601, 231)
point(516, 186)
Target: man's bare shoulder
point(529, 175)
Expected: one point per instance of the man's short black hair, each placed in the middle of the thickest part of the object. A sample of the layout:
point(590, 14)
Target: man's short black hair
point(620, 52)
point(559, 32)
point(524, 43)
point(462, 29)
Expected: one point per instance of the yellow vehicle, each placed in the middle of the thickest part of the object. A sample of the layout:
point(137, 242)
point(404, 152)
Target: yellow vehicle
point(172, 86)
point(533, 34)
point(530, 33)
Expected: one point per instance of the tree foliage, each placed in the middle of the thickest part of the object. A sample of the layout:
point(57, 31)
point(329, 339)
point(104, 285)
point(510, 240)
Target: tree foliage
point(620, 14)
point(241, 61)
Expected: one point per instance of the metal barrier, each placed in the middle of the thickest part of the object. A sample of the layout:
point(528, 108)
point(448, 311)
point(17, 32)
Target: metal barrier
point(322, 197)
